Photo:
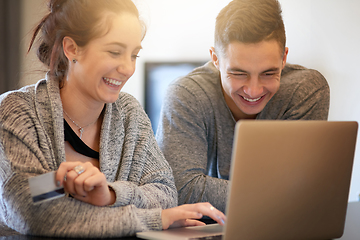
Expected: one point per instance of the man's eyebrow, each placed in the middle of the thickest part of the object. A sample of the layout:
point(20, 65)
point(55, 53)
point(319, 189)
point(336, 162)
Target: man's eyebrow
point(235, 70)
point(275, 69)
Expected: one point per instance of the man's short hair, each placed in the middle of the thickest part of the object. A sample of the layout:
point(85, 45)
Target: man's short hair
point(249, 21)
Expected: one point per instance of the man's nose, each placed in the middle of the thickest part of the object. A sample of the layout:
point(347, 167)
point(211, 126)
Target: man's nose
point(253, 88)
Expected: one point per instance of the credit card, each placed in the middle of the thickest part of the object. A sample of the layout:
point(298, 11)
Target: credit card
point(43, 188)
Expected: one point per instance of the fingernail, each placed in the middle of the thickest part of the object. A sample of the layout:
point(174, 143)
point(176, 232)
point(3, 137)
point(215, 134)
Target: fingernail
point(58, 183)
point(199, 215)
point(222, 221)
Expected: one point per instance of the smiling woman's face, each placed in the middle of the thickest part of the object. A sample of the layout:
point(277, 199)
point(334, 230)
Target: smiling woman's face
point(106, 63)
point(250, 76)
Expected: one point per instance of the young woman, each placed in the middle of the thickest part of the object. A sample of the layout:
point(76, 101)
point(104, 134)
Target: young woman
point(98, 140)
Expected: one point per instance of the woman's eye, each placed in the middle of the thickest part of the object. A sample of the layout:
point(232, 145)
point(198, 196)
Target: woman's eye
point(114, 53)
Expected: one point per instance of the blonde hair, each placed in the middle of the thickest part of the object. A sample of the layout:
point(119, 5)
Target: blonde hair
point(249, 21)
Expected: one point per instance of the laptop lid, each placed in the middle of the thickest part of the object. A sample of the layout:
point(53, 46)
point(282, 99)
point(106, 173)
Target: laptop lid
point(289, 180)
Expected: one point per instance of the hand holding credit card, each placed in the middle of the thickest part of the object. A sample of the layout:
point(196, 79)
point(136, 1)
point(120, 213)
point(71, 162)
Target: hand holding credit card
point(43, 188)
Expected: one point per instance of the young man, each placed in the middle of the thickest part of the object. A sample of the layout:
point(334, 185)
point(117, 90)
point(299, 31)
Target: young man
point(247, 78)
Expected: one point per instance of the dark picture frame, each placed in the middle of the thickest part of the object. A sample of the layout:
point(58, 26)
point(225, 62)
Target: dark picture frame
point(158, 75)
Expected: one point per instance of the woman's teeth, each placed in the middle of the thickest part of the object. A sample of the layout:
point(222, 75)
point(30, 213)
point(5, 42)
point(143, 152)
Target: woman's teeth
point(111, 81)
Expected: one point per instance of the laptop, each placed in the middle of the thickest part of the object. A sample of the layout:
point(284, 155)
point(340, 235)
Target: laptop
point(288, 180)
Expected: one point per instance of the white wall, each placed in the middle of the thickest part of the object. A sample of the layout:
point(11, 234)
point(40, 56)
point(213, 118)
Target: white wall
point(322, 34)
point(325, 35)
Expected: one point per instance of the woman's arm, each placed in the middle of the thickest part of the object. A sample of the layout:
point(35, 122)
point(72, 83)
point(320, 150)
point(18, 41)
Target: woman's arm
point(63, 217)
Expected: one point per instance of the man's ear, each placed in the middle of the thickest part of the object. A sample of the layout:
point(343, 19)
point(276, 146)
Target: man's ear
point(214, 57)
point(70, 48)
point(285, 57)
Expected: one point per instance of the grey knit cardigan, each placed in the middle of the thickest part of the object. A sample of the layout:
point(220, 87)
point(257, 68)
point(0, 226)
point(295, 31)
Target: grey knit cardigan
point(32, 143)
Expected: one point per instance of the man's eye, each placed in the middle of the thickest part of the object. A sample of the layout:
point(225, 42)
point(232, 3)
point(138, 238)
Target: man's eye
point(239, 74)
point(270, 74)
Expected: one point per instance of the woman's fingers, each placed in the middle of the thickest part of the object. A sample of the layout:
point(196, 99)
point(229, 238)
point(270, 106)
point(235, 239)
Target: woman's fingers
point(85, 182)
point(79, 177)
point(62, 171)
point(192, 222)
point(208, 210)
point(186, 223)
point(184, 215)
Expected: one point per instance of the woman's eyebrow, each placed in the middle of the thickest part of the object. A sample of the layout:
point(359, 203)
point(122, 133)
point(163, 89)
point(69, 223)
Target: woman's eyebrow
point(122, 45)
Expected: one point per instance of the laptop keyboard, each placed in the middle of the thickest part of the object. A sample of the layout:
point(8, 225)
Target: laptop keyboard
point(215, 237)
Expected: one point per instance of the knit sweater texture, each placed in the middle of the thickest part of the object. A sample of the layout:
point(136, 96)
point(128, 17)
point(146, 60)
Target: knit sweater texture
point(196, 126)
point(32, 143)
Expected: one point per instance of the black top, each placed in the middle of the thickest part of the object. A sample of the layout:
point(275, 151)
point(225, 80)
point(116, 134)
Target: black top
point(78, 145)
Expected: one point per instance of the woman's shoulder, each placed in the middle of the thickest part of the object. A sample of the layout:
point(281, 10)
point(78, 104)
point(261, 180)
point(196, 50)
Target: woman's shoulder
point(127, 101)
point(19, 95)
point(25, 94)
point(19, 104)
point(127, 106)
point(16, 102)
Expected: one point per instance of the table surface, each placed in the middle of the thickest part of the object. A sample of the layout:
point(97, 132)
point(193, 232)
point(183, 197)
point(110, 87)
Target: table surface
point(351, 231)
point(352, 227)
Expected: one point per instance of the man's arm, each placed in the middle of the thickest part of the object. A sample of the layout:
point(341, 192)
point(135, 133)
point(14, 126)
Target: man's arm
point(183, 135)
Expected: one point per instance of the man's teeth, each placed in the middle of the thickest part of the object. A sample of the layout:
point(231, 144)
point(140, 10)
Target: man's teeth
point(112, 81)
point(252, 100)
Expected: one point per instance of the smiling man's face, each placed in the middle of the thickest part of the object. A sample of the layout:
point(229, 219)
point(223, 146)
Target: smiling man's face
point(250, 75)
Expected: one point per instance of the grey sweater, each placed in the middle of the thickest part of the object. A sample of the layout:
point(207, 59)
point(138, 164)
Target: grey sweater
point(32, 143)
point(196, 126)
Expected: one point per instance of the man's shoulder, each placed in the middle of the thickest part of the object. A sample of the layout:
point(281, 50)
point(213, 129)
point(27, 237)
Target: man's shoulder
point(297, 75)
point(204, 79)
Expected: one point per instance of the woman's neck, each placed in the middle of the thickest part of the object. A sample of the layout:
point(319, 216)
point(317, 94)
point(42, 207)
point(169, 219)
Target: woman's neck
point(78, 109)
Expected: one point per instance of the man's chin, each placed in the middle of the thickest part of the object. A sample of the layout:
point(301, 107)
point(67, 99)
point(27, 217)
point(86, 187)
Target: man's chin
point(251, 113)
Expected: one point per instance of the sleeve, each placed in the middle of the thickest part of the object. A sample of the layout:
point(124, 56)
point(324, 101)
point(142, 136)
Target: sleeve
point(145, 178)
point(311, 98)
point(22, 157)
point(183, 135)
point(155, 188)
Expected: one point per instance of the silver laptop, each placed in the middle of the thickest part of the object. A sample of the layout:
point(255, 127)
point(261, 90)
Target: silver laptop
point(289, 180)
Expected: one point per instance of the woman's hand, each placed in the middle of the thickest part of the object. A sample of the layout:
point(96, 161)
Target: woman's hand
point(85, 182)
point(184, 215)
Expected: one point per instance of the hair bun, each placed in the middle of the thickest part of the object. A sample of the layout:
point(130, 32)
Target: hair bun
point(54, 5)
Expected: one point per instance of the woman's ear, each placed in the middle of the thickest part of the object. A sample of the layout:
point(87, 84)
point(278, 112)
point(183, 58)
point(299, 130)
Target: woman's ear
point(70, 48)
point(214, 57)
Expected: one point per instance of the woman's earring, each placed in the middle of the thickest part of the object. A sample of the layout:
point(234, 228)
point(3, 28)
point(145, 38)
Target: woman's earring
point(74, 60)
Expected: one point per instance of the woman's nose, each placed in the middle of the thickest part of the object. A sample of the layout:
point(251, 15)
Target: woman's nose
point(126, 67)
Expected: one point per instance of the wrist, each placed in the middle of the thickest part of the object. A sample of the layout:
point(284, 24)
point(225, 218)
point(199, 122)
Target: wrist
point(112, 196)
